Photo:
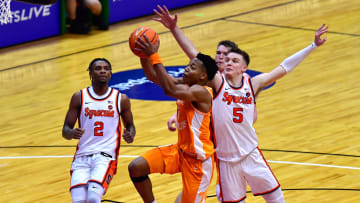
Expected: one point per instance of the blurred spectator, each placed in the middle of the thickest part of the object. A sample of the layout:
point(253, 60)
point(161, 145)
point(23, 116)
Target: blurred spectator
point(79, 17)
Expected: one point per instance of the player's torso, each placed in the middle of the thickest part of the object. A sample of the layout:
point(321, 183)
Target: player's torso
point(194, 130)
point(233, 114)
point(99, 117)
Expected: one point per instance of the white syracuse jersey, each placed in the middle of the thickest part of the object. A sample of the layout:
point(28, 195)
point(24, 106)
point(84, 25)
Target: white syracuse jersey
point(99, 117)
point(233, 116)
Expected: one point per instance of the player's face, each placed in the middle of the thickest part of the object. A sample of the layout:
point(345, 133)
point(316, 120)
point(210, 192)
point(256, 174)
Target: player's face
point(220, 57)
point(194, 72)
point(235, 65)
point(101, 72)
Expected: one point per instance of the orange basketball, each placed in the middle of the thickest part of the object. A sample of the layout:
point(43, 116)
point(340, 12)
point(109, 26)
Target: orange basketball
point(140, 32)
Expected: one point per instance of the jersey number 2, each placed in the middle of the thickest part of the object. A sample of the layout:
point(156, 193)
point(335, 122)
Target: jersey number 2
point(237, 113)
point(98, 130)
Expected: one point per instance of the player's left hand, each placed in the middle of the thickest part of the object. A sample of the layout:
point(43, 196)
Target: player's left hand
point(318, 41)
point(171, 122)
point(128, 136)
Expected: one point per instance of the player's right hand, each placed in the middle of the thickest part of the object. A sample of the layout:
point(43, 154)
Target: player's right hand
point(77, 133)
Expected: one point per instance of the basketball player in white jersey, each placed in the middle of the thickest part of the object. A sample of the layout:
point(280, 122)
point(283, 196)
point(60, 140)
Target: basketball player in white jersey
point(240, 161)
point(98, 110)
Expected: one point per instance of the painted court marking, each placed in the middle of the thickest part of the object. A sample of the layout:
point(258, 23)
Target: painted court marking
point(134, 156)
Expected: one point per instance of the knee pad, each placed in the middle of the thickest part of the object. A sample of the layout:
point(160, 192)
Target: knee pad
point(95, 192)
point(274, 197)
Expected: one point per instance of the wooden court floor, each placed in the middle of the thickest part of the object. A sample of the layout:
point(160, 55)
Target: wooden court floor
point(308, 122)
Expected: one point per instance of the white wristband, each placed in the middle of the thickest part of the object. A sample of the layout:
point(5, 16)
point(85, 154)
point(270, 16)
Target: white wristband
point(292, 61)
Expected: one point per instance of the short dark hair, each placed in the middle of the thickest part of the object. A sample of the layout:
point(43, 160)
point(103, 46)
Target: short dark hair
point(209, 64)
point(243, 54)
point(228, 43)
point(98, 59)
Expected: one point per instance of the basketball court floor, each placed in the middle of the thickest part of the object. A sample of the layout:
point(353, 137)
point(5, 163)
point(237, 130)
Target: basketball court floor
point(308, 122)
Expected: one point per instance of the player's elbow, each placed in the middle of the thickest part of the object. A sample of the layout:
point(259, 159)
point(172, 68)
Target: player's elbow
point(168, 92)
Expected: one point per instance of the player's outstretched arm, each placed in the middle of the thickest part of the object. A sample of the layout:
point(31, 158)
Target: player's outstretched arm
point(127, 119)
point(170, 22)
point(290, 63)
point(42, 2)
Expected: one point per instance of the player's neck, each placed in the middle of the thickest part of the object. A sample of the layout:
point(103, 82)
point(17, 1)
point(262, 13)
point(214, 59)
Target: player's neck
point(100, 89)
point(234, 81)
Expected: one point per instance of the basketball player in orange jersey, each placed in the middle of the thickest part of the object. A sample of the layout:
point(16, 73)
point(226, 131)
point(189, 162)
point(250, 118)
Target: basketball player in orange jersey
point(193, 154)
point(240, 161)
point(98, 110)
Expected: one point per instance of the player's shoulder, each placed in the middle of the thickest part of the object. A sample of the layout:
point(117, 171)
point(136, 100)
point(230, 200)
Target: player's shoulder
point(77, 94)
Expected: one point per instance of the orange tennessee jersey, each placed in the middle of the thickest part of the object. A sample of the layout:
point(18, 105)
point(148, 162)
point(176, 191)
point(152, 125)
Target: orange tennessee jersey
point(194, 135)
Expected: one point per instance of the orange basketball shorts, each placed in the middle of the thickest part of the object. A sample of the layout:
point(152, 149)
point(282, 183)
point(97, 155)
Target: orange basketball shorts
point(196, 174)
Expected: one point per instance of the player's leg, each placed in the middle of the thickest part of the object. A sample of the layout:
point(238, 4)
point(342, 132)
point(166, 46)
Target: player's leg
point(196, 178)
point(274, 196)
point(232, 182)
point(95, 192)
point(80, 175)
point(78, 194)
point(103, 167)
point(71, 9)
point(139, 170)
point(261, 178)
point(158, 160)
point(216, 160)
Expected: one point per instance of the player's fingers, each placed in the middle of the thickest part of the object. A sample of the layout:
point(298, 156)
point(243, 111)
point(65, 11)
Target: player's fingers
point(140, 45)
point(171, 128)
point(166, 10)
point(161, 9)
point(157, 12)
point(146, 38)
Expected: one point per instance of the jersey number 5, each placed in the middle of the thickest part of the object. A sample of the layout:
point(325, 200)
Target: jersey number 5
point(237, 113)
point(98, 130)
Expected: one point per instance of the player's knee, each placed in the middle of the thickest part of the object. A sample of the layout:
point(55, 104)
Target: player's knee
point(78, 194)
point(95, 192)
point(138, 167)
point(274, 197)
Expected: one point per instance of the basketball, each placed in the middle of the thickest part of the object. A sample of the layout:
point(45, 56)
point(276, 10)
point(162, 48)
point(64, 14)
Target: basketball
point(140, 32)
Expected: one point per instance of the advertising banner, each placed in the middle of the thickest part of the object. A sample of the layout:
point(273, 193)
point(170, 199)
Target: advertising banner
point(30, 22)
point(126, 9)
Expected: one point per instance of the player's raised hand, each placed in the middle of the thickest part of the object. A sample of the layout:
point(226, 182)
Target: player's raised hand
point(146, 46)
point(165, 17)
point(323, 29)
point(77, 133)
point(128, 136)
